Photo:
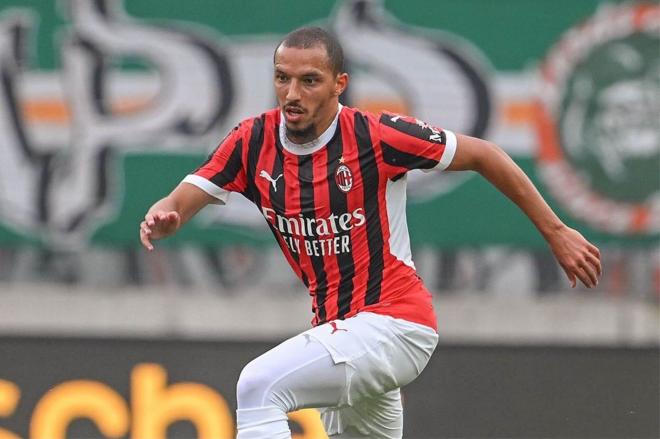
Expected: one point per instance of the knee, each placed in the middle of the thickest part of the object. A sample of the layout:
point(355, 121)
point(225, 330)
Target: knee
point(252, 387)
point(258, 387)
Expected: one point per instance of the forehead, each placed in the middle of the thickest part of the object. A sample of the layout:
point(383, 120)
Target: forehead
point(295, 60)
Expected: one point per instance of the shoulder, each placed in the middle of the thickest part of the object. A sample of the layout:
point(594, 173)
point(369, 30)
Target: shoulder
point(381, 117)
point(256, 124)
point(352, 112)
point(357, 117)
point(270, 117)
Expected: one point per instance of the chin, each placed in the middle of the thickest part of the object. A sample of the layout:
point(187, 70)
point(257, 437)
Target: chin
point(304, 133)
point(298, 126)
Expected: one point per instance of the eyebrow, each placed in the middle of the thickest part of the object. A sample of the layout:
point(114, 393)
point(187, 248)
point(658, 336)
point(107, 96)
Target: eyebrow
point(312, 73)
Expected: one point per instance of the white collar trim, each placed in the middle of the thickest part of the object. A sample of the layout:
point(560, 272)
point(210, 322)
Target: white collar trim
point(314, 145)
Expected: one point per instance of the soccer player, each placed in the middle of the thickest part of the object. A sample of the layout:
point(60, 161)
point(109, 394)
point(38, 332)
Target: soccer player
point(330, 182)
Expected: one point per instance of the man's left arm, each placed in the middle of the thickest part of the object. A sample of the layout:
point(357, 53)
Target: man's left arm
point(578, 257)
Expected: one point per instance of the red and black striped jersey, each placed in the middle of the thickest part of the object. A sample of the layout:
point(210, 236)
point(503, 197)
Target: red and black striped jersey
point(337, 205)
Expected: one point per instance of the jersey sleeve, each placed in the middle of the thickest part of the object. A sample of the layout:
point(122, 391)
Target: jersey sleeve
point(223, 171)
point(408, 143)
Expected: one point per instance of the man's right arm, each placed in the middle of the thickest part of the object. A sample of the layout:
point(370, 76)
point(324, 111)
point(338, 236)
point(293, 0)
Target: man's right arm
point(167, 215)
point(578, 257)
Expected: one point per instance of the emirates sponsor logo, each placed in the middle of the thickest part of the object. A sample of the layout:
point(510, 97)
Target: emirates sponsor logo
point(324, 236)
point(344, 178)
point(312, 227)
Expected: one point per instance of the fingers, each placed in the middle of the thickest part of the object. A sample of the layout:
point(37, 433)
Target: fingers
point(172, 216)
point(145, 235)
point(153, 218)
point(589, 277)
point(587, 271)
point(571, 277)
point(595, 262)
point(157, 225)
point(590, 265)
point(579, 258)
point(150, 220)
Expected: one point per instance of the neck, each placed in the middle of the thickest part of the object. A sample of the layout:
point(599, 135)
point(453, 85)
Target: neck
point(302, 136)
point(312, 145)
point(313, 131)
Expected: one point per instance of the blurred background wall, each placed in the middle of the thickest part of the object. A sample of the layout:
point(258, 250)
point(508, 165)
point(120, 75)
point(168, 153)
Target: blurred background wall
point(105, 105)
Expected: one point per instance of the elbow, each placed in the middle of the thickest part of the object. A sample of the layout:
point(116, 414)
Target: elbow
point(490, 154)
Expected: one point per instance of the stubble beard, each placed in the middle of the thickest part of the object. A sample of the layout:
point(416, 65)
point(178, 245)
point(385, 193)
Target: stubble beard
point(303, 135)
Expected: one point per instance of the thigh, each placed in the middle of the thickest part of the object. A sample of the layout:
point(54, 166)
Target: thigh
point(381, 353)
point(298, 373)
point(379, 417)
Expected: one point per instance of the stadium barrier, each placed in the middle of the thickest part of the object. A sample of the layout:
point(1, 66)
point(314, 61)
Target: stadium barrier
point(52, 388)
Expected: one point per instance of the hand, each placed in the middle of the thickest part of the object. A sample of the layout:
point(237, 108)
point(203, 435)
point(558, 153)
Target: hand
point(158, 225)
point(578, 257)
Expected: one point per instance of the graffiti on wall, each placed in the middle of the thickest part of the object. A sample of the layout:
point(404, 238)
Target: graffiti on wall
point(183, 86)
point(598, 121)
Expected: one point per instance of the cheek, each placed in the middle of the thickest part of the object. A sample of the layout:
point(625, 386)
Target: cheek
point(318, 99)
point(280, 93)
point(281, 90)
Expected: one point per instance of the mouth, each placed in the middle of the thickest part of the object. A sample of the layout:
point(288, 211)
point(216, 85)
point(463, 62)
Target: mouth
point(293, 113)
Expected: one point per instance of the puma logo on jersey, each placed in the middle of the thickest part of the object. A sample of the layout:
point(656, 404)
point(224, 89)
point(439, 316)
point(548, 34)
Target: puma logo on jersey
point(423, 125)
point(267, 176)
point(435, 136)
point(335, 328)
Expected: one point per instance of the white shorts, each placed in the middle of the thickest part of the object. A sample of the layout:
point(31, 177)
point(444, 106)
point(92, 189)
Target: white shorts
point(382, 354)
point(351, 370)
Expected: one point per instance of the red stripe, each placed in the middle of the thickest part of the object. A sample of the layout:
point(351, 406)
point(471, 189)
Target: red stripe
point(322, 210)
point(222, 153)
point(355, 200)
point(293, 210)
point(388, 259)
point(411, 144)
point(389, 282)
point(265, 162)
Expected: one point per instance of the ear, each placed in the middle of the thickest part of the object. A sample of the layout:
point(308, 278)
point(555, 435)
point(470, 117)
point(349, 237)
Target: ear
point(341, 83)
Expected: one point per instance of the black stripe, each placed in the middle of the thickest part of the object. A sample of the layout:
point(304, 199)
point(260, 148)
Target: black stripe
point(369, 171)
point(394, 157)
point(277, 195)
point(412, 129)
point(232, 167)
point(210, 156)
point(278, 199)
point(305, 179)
point(339, 206)
point(255, 145)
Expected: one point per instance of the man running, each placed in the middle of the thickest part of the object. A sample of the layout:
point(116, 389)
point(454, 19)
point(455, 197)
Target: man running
point(331, 183)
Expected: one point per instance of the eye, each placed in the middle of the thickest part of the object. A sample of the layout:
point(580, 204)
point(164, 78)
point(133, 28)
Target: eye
point(310, 81)
point(280, 77)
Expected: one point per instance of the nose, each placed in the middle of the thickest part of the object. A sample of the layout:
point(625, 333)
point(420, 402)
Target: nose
point(293, 92)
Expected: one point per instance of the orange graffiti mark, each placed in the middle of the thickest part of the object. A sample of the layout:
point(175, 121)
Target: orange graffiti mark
point(518, 112)
point(640, 219)
point(46, 110)
point(644, 12)
point(56, 111)
point(549, 150)
point(378, 105)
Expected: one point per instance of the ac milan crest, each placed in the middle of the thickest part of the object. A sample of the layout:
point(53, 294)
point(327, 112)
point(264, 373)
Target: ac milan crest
point(344, 178)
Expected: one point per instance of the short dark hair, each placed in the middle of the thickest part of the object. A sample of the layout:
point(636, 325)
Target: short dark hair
point(312, 36)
